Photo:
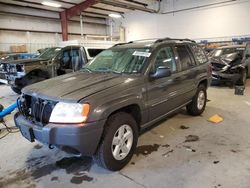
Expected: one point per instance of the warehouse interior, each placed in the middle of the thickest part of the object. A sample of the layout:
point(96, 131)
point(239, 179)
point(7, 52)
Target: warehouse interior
point(50, 51)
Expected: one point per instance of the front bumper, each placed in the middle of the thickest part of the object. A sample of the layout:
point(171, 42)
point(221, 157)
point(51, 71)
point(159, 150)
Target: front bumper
point(81, 138)
point(223, 77)
point(2, 78)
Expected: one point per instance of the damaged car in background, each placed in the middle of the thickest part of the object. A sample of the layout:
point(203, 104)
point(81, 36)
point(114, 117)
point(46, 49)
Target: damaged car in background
point(231, 67)
point(12, 57)
point(100, 110)
point(52, 62)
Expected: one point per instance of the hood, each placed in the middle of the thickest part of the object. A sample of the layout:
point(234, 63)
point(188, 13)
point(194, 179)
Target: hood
point(25, 61)
point(75, 86)
point(226, 59)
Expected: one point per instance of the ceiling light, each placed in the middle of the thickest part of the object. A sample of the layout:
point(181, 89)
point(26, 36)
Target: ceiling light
point(51, 4)
point(115, 15)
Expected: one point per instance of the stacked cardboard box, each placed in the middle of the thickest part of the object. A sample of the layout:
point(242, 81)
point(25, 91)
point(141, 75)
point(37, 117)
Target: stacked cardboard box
point(18, 49)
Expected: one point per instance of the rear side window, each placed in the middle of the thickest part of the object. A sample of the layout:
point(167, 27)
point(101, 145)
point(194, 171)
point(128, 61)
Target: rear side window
point(184, 57)
point(199, 54)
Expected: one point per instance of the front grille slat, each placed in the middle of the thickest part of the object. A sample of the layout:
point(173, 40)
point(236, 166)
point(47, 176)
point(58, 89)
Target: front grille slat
point(35, 109)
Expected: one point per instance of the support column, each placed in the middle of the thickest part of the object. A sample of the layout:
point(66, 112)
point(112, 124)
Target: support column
point(64, 25)
point(73, 11)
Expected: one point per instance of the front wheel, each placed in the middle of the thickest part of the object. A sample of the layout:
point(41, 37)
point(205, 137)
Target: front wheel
point(118, 143)
point(198, 104)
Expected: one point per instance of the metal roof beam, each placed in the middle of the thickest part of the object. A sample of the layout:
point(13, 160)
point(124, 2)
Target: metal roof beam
point(127, 6)
point(71, 12)
point(77, 9)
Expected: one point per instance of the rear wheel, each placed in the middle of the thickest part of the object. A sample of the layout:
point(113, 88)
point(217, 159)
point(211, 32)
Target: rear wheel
point(118, 143)
point(198, 104)
point(243, 78)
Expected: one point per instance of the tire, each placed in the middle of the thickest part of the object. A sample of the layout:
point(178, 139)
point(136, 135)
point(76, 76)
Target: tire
point(196, 108)
point(243, 77)
point(16, 90)
point(104, 156)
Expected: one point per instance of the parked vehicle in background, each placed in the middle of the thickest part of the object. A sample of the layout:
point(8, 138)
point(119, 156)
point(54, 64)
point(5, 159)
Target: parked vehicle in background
point(52, 62)
point(7, 58)
point(100, 110)
point(231, 66)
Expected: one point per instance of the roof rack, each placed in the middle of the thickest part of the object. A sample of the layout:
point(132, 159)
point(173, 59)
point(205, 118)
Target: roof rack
point(154, 41)
point(143, 40)
point(169, 39)
point(122, 43)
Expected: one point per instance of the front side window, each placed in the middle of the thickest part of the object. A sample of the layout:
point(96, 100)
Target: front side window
point(50, 53)
point(119, 60)
point(199, 54)
point(184, 57)
point(165, 57)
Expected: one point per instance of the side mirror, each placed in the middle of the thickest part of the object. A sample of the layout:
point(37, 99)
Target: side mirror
point(247, 56)
point(161, 72)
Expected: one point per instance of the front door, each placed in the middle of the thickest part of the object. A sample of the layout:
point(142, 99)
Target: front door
point(162, 93)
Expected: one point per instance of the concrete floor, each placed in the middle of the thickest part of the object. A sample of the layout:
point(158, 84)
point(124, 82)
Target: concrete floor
point(220, 158)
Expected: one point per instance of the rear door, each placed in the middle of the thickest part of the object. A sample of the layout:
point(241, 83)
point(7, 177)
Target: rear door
point(188, 73)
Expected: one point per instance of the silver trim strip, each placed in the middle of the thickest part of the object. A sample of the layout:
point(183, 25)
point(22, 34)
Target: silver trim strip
point(163, 116)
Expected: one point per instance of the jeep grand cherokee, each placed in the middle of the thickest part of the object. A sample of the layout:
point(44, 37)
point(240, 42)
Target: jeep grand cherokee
point(100, 110)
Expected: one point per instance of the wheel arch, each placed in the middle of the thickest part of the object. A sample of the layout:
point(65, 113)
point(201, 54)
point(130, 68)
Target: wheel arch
point(203, 82)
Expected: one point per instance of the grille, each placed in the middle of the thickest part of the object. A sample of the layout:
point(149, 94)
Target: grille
point(9, 68)
point(2, 75)
point(217, 66)
point(35, 109)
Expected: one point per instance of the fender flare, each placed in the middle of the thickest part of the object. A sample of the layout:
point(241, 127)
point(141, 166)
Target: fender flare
point(105, 110)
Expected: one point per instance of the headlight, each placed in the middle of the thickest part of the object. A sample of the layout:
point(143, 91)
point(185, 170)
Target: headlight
point(20, 68)
point(69, 113)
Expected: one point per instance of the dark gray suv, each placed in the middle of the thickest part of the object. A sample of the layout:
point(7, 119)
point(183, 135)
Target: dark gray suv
point(100, 110)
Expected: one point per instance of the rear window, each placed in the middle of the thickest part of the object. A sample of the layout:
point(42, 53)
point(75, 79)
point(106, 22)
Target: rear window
point(199, 54)
point(94, 52)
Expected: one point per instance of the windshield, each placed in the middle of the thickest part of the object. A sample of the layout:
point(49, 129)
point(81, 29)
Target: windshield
point(119, 61)
point(224, 51)
point(49, 53)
